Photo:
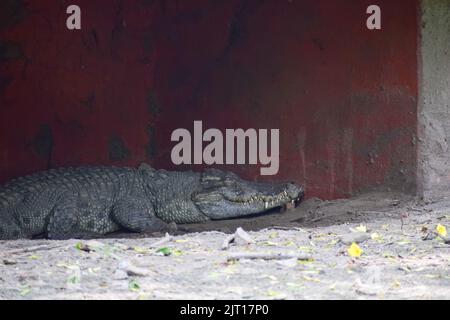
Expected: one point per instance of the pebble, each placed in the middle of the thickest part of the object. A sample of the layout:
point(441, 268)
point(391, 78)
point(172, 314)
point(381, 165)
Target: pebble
point(354, 237)
point(8, 262)
point(131, 270)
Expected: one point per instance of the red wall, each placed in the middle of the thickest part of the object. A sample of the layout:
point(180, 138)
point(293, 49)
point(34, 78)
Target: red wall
point(343, 97)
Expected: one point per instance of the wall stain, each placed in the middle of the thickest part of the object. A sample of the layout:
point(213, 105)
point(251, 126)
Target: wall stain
point(238, 23)
point(153, 107)
point(151, 150)
point(43, 143)
point(89, 102)
point(147, 42)
point(318, 43)
point(5, 81)
point(117, 149)
point(11, 13)
point(118, 29)
point(147, 3)
point(10, 50)
point(90, 40)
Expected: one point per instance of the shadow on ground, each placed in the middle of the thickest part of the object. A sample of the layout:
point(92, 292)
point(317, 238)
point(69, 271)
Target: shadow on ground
point(311, 213)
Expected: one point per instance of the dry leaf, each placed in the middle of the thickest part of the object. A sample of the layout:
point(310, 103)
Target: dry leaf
point(311, 279)
point(273, 235)
point(141, 250)
point(376, 237)
point(442, 230)
point(354, 251)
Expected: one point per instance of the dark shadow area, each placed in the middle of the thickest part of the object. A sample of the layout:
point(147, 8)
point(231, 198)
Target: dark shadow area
point(312, 213)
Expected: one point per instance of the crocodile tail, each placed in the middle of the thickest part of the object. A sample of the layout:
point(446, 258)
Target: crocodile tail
point(9, 229)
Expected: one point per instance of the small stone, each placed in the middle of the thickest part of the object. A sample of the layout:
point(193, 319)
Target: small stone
point(8, 262)
point(120, 275)
point(289, 263)
point(354, 237)
point(132, 270)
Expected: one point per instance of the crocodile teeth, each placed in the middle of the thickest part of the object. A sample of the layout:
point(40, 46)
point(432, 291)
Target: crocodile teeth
point(266, 205)
point(293, 201)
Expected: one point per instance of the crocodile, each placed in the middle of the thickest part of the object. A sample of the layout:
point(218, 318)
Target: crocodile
point(88, 202)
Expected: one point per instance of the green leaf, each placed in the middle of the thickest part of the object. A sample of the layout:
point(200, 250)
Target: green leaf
point(25, 291)
point(165, 251)
point(74, 279)
point(134, 285)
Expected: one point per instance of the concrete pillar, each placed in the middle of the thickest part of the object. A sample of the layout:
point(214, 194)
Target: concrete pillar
point(434, 99)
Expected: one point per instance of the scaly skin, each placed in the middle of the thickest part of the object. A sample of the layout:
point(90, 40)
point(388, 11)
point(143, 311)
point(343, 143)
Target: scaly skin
point(93, 201)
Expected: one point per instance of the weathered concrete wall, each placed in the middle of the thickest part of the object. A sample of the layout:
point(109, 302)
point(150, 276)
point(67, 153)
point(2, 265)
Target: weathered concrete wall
point(343, 97)
point(434, 102)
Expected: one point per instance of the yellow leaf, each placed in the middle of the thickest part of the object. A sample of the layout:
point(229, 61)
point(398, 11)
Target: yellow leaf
point(406, 269)
point(333, 242)
point(94, 270)
point(303, 262)
point(272, 293)
point(361, 228)
point(354, 251)
point(273, 235)
point(306, 249)
point(442, 230)
point(293, 285)
point(181, 240)
point(25, 291)
point(177, 252)
point(140, 250)
point(404, 242)
point(311, 279)
point(214, 275)
point(375, 236)
point(390, 256)
point(311, 271)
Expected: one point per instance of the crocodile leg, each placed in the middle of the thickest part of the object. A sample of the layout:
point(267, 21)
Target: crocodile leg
point(64, 222)
point(9, 229)
point(138, 216)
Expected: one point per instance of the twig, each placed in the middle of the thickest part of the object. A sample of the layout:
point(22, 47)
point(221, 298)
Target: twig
point(240, 233)
point(31, 249)
point(372, 212)
point(285, 228)
point(243, 235)
point(264, 256)
point(164, 240)
point(228, 240)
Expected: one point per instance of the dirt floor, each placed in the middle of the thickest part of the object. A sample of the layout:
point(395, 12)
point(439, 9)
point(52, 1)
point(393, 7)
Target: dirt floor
point(302, 254)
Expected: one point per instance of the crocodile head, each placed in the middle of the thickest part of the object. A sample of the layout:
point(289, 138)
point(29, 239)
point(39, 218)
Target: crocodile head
point(191, 197)
point(224, 195)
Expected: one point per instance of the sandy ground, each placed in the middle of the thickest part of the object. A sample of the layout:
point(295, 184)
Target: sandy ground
point(396, 262)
